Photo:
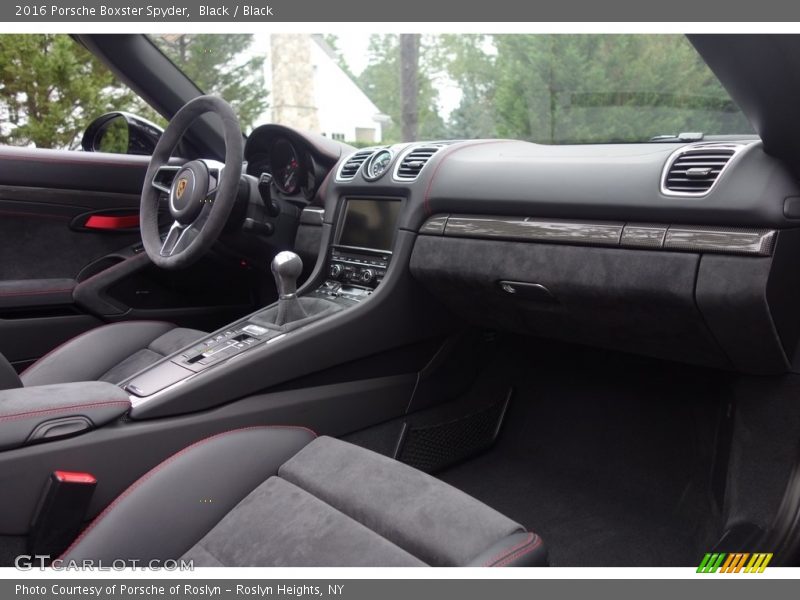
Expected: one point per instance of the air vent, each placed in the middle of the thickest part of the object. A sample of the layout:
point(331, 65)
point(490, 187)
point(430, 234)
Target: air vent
point(351, 166)
point(413, 161)
point(694, 170)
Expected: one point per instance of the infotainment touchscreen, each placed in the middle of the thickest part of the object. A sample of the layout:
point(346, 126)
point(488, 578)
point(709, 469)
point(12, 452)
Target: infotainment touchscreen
point(369, 223)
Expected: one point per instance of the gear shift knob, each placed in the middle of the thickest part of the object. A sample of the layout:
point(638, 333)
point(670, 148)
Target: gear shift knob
point(286, 268)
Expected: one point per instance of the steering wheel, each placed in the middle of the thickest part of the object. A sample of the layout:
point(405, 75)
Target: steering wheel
point(201, 192)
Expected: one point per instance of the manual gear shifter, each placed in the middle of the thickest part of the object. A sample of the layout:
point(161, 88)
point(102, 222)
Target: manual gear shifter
point(286, 268)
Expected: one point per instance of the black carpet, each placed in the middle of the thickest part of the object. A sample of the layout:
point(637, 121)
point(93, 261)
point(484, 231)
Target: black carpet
point(12, 546)
point(608, 457)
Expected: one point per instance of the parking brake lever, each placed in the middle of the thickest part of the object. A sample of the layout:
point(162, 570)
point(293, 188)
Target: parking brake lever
point(286, 268)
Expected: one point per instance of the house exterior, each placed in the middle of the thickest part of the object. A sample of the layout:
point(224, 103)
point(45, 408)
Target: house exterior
point(310, 91)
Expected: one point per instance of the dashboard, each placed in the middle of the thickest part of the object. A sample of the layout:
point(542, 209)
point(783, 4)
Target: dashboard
point(678, 251)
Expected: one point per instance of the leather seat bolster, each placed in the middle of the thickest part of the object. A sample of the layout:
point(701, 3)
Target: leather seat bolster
point(171, 507)
point(516, 550)
point(89, 355)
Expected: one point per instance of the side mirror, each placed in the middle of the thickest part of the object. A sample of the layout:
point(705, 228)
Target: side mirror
point(121, 133)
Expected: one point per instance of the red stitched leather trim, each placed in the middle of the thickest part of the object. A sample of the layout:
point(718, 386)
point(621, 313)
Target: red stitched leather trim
point(163, 464)
point(323, 188)
point(42, 411)
point(448, 152)
point(109, 269)
point(520, 554)
point(34, 292)
point(528, 539)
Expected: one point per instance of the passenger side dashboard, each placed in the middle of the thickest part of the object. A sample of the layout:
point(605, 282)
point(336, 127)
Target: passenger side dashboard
point(586, 244)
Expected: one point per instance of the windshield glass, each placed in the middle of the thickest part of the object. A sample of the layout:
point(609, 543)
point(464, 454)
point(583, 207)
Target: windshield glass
point(384, 88)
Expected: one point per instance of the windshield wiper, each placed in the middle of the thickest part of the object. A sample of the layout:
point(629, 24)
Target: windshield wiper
point(690, 136)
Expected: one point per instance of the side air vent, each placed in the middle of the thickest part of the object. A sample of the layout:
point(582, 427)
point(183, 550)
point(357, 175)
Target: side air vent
point(351, 166)
point(414, 160)
point(693, 170)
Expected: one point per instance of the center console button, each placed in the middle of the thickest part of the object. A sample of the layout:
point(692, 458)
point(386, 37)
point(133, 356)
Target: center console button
point(254, 329)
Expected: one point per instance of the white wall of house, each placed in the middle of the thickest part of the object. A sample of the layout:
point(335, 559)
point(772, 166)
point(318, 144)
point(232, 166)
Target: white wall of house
point(343, 110)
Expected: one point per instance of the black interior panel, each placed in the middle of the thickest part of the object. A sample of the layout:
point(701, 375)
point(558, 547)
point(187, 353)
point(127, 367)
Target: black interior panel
point(39, 243)
point(603, 181)
point(24, 339)
point(710, 310)
point(632, 300)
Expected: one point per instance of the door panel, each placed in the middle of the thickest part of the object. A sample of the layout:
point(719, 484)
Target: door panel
point(39, 241)
point(68, 220)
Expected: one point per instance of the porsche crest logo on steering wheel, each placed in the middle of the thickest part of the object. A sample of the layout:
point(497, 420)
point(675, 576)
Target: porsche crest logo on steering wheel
point(181, 187)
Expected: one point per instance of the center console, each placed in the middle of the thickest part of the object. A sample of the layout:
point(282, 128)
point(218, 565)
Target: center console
point(356, 263)
point(361, 252)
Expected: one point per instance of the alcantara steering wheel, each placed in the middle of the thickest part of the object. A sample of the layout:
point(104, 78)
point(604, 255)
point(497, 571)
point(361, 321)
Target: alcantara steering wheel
point(201, 193)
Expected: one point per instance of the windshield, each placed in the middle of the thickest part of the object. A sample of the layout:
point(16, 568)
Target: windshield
point(384, 88)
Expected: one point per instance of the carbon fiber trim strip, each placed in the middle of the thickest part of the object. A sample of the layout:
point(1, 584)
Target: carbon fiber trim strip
point(720, 240)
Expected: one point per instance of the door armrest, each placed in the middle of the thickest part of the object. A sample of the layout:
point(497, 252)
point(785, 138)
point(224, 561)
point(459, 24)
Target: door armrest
point(25, 293)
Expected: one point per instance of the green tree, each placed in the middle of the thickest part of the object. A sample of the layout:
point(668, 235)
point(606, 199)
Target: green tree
point(221, 64)
point(589, 88)
point(466, 59)
point(380, 80)
point(50, 89)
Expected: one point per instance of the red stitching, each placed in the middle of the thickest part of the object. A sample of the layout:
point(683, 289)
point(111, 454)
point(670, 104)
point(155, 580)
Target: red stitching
point(163, 464)
point(30, 368)
point(528, 539)
point(25, 415)
point(35, 292)
point(323, 188)
point(109, 269)
point(519, 554)
point(447, 154)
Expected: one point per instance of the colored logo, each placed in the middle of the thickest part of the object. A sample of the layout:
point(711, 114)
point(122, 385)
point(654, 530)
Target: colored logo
point(737, 562)
point(181, 187)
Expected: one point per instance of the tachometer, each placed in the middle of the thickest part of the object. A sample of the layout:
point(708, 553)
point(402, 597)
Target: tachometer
point(287, 170)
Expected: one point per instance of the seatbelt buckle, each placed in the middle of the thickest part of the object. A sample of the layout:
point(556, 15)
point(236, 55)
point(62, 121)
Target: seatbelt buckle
point(60, 512)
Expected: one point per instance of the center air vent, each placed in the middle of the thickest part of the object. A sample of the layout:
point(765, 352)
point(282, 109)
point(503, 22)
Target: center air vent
point(413, 161)
point(351, 166)
point(693, 170)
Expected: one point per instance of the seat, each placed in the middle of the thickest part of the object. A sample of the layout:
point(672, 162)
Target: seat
point(280, 496)
point(109, 353)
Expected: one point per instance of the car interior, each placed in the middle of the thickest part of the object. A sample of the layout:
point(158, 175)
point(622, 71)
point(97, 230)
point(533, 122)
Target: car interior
point(283, 350)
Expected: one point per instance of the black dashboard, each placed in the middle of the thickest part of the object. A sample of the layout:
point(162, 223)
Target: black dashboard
point(673, 250)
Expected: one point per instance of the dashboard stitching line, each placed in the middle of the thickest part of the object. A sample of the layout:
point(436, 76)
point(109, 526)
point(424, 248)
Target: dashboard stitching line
point(445, 155)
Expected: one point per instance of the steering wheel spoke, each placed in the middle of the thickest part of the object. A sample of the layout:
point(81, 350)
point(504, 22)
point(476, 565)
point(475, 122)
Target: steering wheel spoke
point(173, 237)
point(162, 180)
point(215, 169)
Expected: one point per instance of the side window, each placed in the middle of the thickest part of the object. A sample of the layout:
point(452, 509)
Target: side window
point(52, 89)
